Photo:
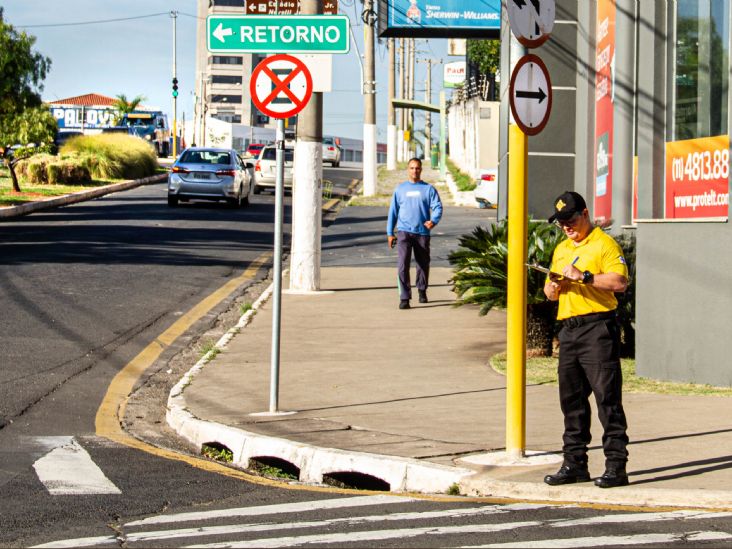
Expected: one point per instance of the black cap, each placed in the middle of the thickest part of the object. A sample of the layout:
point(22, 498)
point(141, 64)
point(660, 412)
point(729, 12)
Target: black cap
point(566, 205)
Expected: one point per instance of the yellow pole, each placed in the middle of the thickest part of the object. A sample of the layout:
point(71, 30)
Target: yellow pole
point(516, 320)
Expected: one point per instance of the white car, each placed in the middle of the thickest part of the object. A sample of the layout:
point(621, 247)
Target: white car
point(265, 169)
point(331, 152)
point(209, 174)
point(486, 190)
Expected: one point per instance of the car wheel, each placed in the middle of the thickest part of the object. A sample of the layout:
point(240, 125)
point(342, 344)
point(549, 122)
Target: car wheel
point(172, 200)
point(257, 189)
point(336, 164)
point(234, 202)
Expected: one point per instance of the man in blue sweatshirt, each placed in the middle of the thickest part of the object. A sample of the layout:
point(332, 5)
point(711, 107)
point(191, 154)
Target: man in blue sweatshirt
point(415, 209)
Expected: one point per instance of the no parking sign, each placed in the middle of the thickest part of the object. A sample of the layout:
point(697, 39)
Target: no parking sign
point(281, 86)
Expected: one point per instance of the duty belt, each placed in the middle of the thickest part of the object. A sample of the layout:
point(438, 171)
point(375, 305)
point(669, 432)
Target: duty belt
point(581, 320)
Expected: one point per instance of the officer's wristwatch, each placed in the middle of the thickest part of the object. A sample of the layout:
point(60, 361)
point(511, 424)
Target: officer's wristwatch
point(587, 277)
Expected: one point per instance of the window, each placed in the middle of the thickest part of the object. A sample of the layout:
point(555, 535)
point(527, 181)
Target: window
point(270, 153)
point(227, 117)
point(225, 79)
point(225, 60)
point(220, 98)
point(701, 59)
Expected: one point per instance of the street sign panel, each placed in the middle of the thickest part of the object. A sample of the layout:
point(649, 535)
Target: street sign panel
point(285, 7)
point(530, 94)
point(531, 21)
point(280, 86)
point(278, 34)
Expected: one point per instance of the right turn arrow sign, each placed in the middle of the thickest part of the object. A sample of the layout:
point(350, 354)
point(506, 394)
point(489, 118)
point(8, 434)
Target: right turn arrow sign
point(530, 94)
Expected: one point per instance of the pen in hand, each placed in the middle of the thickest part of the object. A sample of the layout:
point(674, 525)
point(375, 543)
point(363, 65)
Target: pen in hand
point(576, 259)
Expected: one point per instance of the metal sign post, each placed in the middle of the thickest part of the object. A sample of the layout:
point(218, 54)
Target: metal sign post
point(274, 388)
point(280, 87)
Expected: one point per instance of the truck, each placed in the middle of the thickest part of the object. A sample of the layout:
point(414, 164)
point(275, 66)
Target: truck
point(152, 126)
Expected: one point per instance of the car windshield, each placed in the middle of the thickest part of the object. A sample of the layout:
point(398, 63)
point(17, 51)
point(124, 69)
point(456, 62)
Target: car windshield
point(205, 157)
point(328, 141)
point(270, 153)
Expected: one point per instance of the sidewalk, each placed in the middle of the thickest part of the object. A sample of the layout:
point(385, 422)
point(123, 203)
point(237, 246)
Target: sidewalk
point(408, 397)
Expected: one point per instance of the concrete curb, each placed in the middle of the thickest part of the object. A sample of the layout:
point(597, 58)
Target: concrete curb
point(81, 196)
point(461, 198)
point(402, 474)
point(590, 494)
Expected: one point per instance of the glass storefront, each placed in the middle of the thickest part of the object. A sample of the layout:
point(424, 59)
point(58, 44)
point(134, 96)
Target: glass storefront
point(701, 63)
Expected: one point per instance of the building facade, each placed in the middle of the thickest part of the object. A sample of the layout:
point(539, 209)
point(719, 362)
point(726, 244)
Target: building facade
point(640, 126)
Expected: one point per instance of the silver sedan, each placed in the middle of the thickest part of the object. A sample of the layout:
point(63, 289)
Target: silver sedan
point(209, 174)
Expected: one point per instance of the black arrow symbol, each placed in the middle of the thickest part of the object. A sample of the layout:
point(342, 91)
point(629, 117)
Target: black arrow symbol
point(540, 95)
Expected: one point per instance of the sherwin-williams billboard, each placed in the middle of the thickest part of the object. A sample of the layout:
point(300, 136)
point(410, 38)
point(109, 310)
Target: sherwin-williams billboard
point(440, 18)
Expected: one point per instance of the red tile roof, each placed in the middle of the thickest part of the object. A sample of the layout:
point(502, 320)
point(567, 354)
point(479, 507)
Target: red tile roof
point(87, 100)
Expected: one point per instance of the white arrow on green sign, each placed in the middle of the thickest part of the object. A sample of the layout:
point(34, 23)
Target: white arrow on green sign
point(278, 33)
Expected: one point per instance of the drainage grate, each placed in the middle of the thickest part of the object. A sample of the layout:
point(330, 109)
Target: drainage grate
point(269, 466)
point(357, 481)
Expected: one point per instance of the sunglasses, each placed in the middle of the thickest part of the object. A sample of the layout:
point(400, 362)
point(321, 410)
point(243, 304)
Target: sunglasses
point(571, 222)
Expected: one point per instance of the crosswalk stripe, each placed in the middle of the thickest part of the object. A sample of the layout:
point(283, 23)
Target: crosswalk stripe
point(350, 521)
point(599, 541)
point(642, 517)
point(78, 542)
point(70, 470)
point(372, 535)
point(299, 507)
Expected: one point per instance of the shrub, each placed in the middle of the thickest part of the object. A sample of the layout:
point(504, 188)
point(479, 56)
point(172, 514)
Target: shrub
point(113, 155)
point(33, 168)
point(481, 267)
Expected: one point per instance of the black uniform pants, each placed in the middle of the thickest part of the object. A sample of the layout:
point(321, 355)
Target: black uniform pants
point(589, 362)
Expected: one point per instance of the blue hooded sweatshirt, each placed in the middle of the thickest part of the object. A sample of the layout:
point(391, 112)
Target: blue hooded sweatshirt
point(411, 206)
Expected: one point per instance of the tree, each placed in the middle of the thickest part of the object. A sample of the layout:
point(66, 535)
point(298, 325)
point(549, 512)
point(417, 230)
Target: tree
point(124, 105)
point(22, 72)
point(485, 55)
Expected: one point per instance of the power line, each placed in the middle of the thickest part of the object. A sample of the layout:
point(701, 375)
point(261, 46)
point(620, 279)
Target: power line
point(93, 22)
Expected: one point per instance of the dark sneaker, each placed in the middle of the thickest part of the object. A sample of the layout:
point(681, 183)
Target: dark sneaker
point(423, 296)
point(612, 478)
point(568, 475)
point(404, 304)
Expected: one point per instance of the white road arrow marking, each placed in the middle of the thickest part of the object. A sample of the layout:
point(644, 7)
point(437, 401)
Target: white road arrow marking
point(69, 469)
point(221, 32)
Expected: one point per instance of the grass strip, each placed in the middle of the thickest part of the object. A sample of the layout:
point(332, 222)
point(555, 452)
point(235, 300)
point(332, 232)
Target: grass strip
point(543, 371)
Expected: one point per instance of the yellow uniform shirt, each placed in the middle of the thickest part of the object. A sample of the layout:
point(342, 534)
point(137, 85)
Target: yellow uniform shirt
point(598, 253)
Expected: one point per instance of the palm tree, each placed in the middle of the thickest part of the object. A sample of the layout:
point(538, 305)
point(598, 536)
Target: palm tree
point(124, 106)
point(481, 267)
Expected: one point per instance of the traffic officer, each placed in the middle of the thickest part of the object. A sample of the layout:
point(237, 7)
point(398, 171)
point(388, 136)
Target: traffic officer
point(588, 268)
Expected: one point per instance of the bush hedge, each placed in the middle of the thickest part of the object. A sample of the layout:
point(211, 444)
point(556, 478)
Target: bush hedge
point(87, 157)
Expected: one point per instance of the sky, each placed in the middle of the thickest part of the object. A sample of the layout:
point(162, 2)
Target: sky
point(133, 55)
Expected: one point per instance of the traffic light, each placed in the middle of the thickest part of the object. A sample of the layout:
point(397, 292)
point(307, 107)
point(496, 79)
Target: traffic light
point(175, 87)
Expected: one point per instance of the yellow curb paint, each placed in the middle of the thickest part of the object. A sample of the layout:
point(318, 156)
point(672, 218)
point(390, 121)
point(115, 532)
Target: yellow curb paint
point(112, 408)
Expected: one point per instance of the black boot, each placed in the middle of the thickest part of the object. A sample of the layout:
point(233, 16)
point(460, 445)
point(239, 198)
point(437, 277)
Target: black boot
point(612, 477)
point(568, 474)
point(404, 304)
point(423, 296)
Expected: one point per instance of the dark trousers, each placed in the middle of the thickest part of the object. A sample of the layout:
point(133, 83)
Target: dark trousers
point(406, 242)
point(589, 362)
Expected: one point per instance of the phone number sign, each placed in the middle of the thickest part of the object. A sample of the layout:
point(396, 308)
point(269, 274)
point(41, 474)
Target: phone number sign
point(697, 178)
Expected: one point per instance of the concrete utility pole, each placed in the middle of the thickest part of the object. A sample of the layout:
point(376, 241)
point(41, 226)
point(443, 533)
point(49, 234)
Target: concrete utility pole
point(401, 156)
point(412, 46)
point(369, 123)
point(391, 130)
point(428, 116)
point(307, 193)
